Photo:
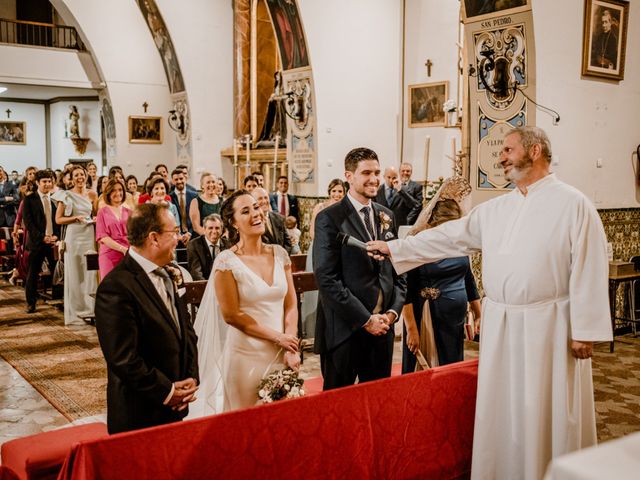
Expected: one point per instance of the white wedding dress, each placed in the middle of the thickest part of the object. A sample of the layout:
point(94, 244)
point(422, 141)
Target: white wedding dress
point(232, 363)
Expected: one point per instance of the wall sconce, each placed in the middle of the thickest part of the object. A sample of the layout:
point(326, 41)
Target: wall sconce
point(500, 84)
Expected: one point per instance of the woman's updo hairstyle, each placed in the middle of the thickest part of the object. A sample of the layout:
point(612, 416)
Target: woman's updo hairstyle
point(226, 212)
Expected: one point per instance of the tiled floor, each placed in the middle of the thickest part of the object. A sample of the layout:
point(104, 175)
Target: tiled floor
point(23, 411)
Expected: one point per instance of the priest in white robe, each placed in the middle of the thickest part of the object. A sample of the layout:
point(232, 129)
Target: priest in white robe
point(544, 271)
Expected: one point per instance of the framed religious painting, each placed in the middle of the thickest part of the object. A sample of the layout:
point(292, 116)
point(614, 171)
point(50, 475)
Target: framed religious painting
point(604, 38)
point(474, 10)
point(145, 129)
point(426, 101)
point(13, 133)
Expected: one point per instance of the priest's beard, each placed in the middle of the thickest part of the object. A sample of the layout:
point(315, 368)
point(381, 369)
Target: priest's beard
point(519, 168)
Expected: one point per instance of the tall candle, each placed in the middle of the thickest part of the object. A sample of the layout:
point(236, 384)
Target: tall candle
point(248, 151)
point(275, 162)
point(235, 152)
point(427, 143)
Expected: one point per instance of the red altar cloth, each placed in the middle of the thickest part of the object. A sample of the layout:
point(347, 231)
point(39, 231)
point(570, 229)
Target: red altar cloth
point(412, 426)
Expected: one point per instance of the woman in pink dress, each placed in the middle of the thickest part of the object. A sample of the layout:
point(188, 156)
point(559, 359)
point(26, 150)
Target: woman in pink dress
point(111, 227)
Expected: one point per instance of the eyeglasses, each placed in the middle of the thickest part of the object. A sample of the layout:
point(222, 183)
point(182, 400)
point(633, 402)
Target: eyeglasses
point(175, 231)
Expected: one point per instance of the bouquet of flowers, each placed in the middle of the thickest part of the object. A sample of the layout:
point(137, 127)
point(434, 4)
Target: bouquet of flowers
point(280, 384)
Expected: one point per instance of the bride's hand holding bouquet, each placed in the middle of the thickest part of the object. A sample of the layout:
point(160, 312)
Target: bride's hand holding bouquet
point(289, 343)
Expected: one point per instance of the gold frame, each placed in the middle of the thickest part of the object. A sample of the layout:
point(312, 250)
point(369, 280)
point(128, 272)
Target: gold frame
point(442, 116)
point(157, 139)
point(591, 7)
point(12, 123)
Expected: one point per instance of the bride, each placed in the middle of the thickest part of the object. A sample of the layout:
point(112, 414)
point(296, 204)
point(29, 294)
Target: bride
point(247, 321)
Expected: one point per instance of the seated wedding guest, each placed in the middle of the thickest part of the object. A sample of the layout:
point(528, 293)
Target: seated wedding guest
point(275, 231)
point(283, 202)
point(294, 234)
point(75, 211)
point(92, 176)
point(438, 295)
point(253, 290)
point(204, 204)
point(336, 190)
point(182, 198)
point(144, 330)
point(132, 187)
point(203, 250)
point(250, 182)
point(42, 232)
point(221, 189)
point(111, 228)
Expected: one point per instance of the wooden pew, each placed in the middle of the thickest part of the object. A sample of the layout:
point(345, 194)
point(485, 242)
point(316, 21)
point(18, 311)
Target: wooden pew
point(303, 282)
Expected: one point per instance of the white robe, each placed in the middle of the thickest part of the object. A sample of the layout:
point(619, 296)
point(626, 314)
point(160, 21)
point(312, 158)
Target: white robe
point(544, 271)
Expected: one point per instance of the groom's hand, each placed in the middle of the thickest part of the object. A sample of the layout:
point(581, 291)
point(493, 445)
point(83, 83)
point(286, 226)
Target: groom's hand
point(376, 325)
point(183, 394)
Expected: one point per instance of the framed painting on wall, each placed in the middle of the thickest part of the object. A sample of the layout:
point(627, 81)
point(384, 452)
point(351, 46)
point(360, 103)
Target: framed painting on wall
point(145, 129)
point(474, 10)
point(425, 104)
point(604, 38)
point(13, 133)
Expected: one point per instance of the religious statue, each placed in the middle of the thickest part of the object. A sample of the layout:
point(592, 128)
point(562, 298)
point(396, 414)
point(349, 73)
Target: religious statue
point(275, 122)
point(74, 116)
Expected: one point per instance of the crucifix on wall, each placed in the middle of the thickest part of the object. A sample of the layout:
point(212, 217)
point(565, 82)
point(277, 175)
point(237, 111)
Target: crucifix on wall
point(8, 113)
point(145, 105)
point(429, 64)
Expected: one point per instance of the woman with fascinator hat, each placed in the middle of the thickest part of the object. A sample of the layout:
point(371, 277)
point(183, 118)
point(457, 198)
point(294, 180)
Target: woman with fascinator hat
point(438, 293)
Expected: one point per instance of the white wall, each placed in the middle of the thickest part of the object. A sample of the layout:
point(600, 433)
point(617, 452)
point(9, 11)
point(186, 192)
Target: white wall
point(598, 118)
point(354, 48)
point(40, 66)
point(130, 66)
point(19, 157)
point(431, 33)
point(61, 147)
point(203, 38)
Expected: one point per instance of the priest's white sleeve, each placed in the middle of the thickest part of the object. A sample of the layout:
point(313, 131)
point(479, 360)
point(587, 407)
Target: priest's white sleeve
point(452, 239)
point(588, 283)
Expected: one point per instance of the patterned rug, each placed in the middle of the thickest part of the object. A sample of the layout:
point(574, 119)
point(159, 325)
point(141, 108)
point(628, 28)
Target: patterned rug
point(64, 365)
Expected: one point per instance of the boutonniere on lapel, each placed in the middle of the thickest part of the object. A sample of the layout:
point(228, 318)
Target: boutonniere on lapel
point(176, 275)
point(385, 222)
point(385, 225)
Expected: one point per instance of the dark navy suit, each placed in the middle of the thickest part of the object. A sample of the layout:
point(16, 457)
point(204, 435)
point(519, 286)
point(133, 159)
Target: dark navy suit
point(349, 283)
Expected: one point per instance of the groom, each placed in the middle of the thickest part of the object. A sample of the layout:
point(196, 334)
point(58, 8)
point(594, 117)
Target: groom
point(361, 298)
